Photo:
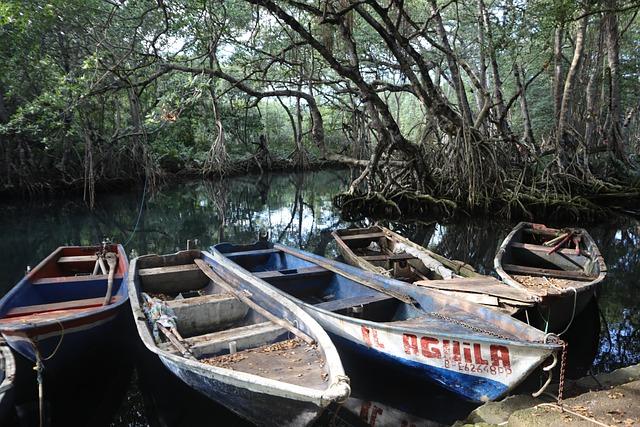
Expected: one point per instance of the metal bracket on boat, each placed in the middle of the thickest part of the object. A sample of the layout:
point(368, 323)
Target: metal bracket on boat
point(548, 369)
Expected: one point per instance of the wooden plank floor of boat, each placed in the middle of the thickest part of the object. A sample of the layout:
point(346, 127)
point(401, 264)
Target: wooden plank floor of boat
point(291, 361)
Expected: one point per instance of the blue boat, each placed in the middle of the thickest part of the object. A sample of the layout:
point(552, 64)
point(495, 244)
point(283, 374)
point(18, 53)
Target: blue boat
point(474, 351)
point(259, 355)
point(7, 378)
point(65, 306)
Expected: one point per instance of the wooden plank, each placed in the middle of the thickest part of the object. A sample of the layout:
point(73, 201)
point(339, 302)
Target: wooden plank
point(157, 271)
point(293, 273)
point(253, 252)
point(363, 236)
point(74, 259)
point(72, 279)
point(542, 249)
point(246, 337)
point(176, 278)
point(560, 274)
point(206, 269)
point(57, 306)
point(485, 285)
point(341, 304)
point(394, 257)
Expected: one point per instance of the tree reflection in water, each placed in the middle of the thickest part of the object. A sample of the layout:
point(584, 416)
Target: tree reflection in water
point(296, 209)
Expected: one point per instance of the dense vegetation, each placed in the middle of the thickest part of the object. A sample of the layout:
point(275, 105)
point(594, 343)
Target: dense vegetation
point(520, 106)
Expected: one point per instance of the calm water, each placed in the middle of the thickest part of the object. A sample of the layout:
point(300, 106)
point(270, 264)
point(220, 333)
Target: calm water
point(132, 389)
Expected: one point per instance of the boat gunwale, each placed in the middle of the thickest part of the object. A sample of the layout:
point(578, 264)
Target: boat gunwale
point(388, 326)
point(240, 379)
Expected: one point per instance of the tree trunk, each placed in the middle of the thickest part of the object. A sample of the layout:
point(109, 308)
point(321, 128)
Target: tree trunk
point(615, 137)
point(557, 69)
point(564, 146)
point(524, 108)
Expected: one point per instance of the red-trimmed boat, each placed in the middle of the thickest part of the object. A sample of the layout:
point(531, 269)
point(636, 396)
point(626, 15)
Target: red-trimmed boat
point(67, 304)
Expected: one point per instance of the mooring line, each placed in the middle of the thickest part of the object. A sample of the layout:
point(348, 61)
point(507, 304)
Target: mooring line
point(135, 227)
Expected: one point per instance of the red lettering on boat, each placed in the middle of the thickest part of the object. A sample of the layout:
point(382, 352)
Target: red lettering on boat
point(499, 354)
point(410, 343)
point(366, 335)
point(429, 348)
point(466, 350)
point(477, 353)
point(375, 339)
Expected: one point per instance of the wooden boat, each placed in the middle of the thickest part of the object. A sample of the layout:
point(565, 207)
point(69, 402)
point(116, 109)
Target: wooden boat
point(7, 378)
point(380, 250)
point(66, 304)
point(563, 267)
point(476, 352)
point(246, 348)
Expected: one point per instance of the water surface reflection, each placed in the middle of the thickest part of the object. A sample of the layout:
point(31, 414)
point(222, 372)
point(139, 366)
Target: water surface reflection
point(295, 209)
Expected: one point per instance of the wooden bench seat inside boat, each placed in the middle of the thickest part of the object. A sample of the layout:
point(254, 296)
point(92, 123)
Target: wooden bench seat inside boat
point(392, 257)
point(173, 278)
point(292, 273)
point(560, 274)
point(363, 236)
point(253, 252)
point(197, 315)
point(75, 259)
point(71, 279)
point(246, 337)
point(57, 306)
point(344, 303)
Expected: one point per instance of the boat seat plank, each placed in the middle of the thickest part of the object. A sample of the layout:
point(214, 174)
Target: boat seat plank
point(363, 236)
point(292, 273)
point(394, 257)
point(72, 279)
point(167, 270)
point(543, 249)
point(482, 285)
point(74, 259)
point(197, 315)
point(57, 306)
point(254, 252)
point(344, 303)
point(249, 336)
point(174, 278)
point(560, 274)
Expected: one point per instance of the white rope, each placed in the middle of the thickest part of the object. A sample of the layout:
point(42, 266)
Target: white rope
point(573, 313)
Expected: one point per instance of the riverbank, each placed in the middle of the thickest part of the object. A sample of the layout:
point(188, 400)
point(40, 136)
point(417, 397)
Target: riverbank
point(604, 399)
point(231, 169)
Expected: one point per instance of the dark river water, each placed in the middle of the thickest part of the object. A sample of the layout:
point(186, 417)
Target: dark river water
point(128, 388)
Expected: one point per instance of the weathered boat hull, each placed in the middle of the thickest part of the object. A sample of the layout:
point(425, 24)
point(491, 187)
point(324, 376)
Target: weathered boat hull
point(261, 408)
point(397, 257)
point(260, 400)
point(581, 273)
point(63, 337)
point(475, 362)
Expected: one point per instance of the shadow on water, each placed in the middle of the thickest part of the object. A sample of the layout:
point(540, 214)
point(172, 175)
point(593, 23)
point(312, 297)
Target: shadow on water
point(121, 385)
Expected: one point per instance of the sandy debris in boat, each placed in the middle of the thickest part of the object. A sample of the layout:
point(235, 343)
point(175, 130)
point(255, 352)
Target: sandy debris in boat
point(542, 282)
point(292, 355)
point(225, 361)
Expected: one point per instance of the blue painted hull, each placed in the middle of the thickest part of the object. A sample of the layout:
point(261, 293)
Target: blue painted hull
point(477, 353)
point(471, 387)
point(56, 310)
